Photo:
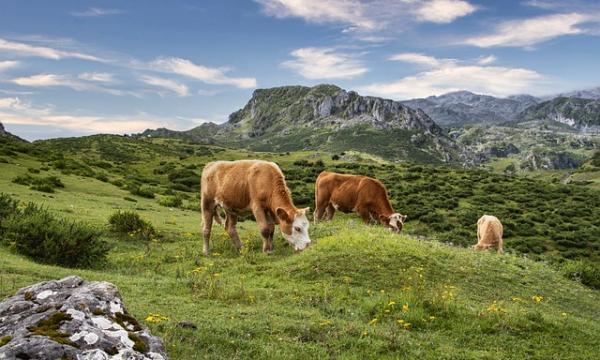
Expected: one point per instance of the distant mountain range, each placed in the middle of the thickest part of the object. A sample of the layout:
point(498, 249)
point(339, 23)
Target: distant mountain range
point(576, 108)
point(464, 107)
point(578, 113)
point(326, 117)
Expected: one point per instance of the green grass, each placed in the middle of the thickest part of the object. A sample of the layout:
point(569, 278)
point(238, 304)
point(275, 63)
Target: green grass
point(323, 302)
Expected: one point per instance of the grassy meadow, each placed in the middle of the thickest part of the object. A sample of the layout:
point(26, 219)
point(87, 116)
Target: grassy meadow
point(358, 292)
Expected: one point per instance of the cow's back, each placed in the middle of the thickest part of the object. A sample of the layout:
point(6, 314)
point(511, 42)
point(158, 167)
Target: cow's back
point(233, 184)
point(490, 229)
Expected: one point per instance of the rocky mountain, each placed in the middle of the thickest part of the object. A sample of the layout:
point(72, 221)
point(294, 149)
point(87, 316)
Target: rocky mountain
point(464, 107)
point(326, 117)
point(593, 94)
point(577, 113)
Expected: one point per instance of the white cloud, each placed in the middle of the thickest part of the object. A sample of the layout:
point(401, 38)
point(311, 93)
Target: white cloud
point(57, 80)
point(97, 77)
point(22, 49)
point(444, 11)
point(363, 17)
point(96, 12)
point(15, 112)
point(325, 63)
point(10, 103)
point(451, 75)
point(5, 65)
point(486, 60)
point(351, 12)
point(528, 32)
point(416, 58)
point(171, 85)
point(205, 74)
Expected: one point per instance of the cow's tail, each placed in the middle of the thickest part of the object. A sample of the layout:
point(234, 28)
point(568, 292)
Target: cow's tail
point(217, 215)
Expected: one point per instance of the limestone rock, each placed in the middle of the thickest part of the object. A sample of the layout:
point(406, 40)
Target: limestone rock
point(73, 319)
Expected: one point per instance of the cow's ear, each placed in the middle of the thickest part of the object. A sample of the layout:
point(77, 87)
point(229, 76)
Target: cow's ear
point(404, 217)
point(283, 215)
point(305, 210)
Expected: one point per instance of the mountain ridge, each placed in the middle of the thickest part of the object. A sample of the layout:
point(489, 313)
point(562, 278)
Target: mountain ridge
point(327, 117)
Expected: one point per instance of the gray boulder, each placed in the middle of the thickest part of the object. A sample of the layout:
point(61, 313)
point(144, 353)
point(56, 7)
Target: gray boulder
point(73, 319)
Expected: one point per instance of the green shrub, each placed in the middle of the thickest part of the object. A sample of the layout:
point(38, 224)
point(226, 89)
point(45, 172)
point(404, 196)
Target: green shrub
point(38, 234)
point(171, 201)
point(130, 223)
point(143, 191)
point(8, 207)
point(584, 271)
point(44, 184)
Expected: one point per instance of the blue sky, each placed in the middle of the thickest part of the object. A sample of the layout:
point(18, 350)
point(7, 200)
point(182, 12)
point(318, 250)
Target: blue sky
point(80, 67)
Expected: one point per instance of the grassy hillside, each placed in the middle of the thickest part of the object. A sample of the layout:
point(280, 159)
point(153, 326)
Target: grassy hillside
point(359, 292)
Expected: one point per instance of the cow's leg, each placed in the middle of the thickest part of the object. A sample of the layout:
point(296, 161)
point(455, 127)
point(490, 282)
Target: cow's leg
point(207, 218)
point(364, 214)
point(329, 211)
point(321, 204)
point(500, 245)
point(230, 222)
point(265, 228)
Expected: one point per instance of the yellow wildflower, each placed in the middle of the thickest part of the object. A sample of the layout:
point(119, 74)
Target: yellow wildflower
point(405, 308)
point(156, 318)
point(537, 298)
point(374, 321)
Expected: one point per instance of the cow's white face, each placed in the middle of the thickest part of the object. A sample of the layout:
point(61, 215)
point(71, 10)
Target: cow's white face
point(396, 222)
point(295, 230)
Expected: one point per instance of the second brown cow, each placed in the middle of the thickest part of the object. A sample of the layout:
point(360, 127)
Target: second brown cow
point(355, 193)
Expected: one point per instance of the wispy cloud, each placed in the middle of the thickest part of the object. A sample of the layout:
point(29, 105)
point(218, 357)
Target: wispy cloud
point(96, 12)
point(368, 16)
point(350, 12)
point(16, 112)
point(205, 74)
point(446, 75)
point(105, 78)
point(58, 80)
point(325, 63)
point(5, 65)
point(528, 32)
point(417, 58)
point(168, 84)
point(486, 60)
point(444, 11)
point(22, 49)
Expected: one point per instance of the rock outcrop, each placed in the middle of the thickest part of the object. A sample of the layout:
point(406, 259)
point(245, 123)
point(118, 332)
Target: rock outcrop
point(326, 117)
point(73, 319)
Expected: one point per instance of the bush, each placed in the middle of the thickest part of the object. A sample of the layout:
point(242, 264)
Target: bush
point(143, 191)
point(38, 234)
point(130, 223)
point(586, 272)
point(171, 201)
point(45, 184)
point(8, 207)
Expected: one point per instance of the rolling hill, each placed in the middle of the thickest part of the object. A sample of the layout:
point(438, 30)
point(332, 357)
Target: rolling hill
point(358, 292)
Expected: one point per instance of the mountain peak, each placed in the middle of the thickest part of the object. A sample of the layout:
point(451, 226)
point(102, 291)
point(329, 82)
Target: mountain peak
point(330, 118)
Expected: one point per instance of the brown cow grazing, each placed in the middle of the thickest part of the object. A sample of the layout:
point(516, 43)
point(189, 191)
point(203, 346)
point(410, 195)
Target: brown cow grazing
point(355, 193)
point(256, 186)
point(489, 233)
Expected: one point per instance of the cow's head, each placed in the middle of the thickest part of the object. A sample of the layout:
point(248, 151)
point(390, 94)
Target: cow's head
point(394, 222)
point(294, 227)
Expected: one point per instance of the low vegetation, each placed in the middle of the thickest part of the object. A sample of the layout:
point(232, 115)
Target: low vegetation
point(358, 292)
point(35, 232)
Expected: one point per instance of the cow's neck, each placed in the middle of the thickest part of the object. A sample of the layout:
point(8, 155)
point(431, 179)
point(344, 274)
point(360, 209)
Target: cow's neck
point(280, 198)
point(385, 209)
